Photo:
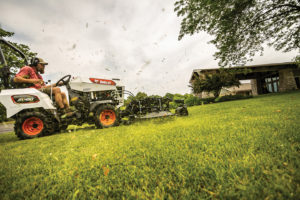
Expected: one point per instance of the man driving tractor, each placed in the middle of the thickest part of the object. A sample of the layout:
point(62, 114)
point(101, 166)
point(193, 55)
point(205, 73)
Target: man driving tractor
point(32, 75)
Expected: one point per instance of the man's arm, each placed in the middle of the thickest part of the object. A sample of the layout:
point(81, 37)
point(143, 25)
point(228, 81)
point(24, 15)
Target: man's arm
point(19, 79)
point(24, 76)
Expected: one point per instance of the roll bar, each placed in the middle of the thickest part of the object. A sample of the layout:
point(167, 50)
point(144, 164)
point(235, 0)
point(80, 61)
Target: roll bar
point(2, 58)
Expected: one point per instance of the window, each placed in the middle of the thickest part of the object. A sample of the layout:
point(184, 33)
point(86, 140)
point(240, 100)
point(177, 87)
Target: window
point(272, 83)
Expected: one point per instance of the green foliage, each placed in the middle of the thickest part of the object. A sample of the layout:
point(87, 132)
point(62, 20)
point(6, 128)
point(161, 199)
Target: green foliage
point(192, 101)
point(240, 27)
point(169, 95)
point(155, 96)
point(189, 99)
point(297, 60)
point(207, 100)
point(138, 96)
point(231, 97)
point(173, 104)
point(13, 59)
point(234, 150)
point(214, 82)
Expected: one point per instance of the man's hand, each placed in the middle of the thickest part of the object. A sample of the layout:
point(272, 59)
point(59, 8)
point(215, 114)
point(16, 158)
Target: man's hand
point(60, 83)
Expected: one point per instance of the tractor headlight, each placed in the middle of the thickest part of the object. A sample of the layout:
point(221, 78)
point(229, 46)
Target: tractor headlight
point(25, 98)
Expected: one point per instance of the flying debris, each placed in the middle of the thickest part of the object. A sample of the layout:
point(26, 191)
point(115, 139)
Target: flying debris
point(98, 21)
point(147, 63)
point(162, 37)
point(143, 67)
point(73, 47)
point(87, 25)
point(107, 69)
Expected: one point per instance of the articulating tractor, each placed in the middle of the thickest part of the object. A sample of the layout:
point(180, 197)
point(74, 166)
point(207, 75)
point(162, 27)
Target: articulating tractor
point(96, 101)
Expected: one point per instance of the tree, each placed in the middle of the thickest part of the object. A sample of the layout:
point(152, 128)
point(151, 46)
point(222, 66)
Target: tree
point(137, 97)
point(240, 27)
point(13, 59)
point(169, 96)
point(215, 82)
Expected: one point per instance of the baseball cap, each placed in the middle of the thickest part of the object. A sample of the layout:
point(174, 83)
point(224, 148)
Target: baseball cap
point(41, 61)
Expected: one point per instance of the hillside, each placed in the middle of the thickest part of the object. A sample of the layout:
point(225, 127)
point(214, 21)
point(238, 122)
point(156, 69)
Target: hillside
point(244, 149)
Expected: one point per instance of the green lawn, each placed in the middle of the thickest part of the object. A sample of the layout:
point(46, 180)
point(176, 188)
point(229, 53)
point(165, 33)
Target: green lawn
point(245, 149)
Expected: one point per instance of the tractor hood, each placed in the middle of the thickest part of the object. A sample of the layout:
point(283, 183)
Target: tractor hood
point(93, 84)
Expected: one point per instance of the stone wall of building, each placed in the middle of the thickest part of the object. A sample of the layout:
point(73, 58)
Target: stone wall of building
point(286, 80)
point(254, 87)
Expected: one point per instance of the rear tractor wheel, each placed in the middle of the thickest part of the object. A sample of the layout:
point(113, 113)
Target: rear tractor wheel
point(32, 124)
point(106, 116)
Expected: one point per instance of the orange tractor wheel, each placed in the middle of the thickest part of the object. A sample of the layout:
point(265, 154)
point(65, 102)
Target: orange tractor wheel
point(106, 116)
point(32, 124)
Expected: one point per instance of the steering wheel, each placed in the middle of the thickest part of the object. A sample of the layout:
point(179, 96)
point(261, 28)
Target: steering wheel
point(66, 79)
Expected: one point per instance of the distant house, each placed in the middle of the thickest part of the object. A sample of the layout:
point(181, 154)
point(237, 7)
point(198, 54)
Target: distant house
point(265, 78)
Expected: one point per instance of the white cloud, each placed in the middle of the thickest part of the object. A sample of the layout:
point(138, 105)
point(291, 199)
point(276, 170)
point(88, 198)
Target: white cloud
point(135, 41)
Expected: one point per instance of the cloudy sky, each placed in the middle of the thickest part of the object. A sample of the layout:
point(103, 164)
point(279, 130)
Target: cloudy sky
point(135, 41)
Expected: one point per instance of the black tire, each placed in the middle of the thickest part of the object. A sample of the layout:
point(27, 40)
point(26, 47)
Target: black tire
point(106, 116)
point(60, 128)
point(63, 127)
point(32, 124)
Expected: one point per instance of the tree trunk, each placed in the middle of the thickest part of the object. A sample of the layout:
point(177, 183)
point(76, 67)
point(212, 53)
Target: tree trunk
point(217, 93)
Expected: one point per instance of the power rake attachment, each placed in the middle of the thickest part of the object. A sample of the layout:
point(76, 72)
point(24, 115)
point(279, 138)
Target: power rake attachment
point(152, 107)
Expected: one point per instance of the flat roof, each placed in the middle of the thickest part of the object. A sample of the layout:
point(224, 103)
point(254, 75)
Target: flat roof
point(241, 67)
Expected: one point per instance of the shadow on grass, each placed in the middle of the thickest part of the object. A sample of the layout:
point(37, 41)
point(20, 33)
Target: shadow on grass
point(8, 137)
point(11, 137)
point(159, 120)
point(79, 128)
point(277, 94)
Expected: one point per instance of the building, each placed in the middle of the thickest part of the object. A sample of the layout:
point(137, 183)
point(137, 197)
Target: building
point(265, 78)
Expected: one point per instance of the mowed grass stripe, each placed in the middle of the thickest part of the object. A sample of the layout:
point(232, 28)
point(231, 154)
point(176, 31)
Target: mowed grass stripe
point(244, 149)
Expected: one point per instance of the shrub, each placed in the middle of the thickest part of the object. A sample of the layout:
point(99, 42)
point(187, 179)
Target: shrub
point(231, 97)
point(207, 100)
point(173, 105)
point(192, 100)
